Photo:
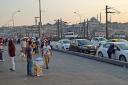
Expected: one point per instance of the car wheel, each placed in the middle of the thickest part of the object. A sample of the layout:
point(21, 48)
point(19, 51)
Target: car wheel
point(122, 58)
point(100, 54)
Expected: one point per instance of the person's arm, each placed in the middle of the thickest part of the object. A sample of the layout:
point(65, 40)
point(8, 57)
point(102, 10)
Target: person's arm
point(31, 50)
point(50, 50)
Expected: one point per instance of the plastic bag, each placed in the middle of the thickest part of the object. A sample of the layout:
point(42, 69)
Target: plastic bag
point(39, 61)
point(38, 66)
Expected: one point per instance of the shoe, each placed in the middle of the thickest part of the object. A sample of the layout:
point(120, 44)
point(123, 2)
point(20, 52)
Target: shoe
point(11, 69)
point(47, 67)
point(30, 75)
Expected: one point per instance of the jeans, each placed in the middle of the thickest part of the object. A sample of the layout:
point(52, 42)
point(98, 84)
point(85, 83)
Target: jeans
point(29, 67)
point(12, 62)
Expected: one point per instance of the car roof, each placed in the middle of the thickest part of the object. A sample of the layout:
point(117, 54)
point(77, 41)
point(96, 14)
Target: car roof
point(80, 39)
point(98, 37)
point(64, 39)
point(116, 42)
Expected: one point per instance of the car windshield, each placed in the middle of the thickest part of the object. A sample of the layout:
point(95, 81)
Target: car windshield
point(66, 41)
point(84, 42)
point(123, 46)
point(102, 39)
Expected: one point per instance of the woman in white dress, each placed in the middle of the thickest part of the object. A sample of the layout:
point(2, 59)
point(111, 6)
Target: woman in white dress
point(47, 52)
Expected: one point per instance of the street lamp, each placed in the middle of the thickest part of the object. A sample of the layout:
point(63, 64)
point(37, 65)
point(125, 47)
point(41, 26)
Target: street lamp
point(78, 15)
point(36, 20)
point(80, 22)
point(40, 23)
point(13, 16)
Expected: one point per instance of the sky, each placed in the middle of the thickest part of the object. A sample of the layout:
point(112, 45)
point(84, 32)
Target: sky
point(56, 9)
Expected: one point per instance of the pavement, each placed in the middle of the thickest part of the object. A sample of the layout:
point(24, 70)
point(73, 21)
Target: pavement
point(64, 69)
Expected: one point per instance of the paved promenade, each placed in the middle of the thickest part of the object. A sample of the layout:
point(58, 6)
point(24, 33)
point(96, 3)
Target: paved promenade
point(65, 69)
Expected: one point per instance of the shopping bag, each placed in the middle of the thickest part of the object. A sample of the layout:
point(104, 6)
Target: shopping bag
point(38, 66)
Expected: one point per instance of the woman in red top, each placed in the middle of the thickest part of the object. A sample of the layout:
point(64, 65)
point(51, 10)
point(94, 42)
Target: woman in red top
point(11, 51)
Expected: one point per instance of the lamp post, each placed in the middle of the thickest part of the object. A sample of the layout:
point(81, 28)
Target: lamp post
point(80, 22)
point(13, 17)
point(78, 15)
point(40, 23)
point(36, 20)
point(58, 28)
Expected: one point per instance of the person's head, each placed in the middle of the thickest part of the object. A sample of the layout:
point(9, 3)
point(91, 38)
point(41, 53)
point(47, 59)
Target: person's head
point(46, 42)
point(112, 45)
point(10, 43)
point(29, 43)
point(1, 40)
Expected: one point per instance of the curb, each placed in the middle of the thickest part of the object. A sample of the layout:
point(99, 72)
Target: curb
point(106, 60)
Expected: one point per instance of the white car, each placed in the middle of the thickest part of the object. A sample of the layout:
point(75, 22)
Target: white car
point(98, 41)
point(121, 51)
point(53, 44)
point(63, 44)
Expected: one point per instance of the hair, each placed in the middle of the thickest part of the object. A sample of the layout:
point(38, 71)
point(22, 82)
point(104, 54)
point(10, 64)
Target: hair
point(29, 42)
point(1, 40)
point(10, 43)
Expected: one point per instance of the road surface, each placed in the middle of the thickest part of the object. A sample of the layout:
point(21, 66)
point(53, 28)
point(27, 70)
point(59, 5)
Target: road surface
point(64, 69)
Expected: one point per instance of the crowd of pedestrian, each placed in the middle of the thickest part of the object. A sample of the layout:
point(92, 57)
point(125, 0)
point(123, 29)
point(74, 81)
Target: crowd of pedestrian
point(29, 49)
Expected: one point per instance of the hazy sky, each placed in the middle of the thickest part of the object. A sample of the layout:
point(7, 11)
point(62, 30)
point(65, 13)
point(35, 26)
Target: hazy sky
point(54, 9)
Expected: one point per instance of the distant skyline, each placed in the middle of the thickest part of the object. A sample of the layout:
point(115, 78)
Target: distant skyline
point(54, 9)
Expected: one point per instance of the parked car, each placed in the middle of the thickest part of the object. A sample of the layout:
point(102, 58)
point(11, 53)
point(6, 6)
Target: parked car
point(53, 44)
point(121, 51)
point(82, 45)
point(97, 41)
point(63, 44)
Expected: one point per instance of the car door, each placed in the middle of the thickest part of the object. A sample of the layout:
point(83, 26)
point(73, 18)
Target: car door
point(117, 53)
point(105, 48)
point(72, 45)
point(59, 44)
point(77, 48)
